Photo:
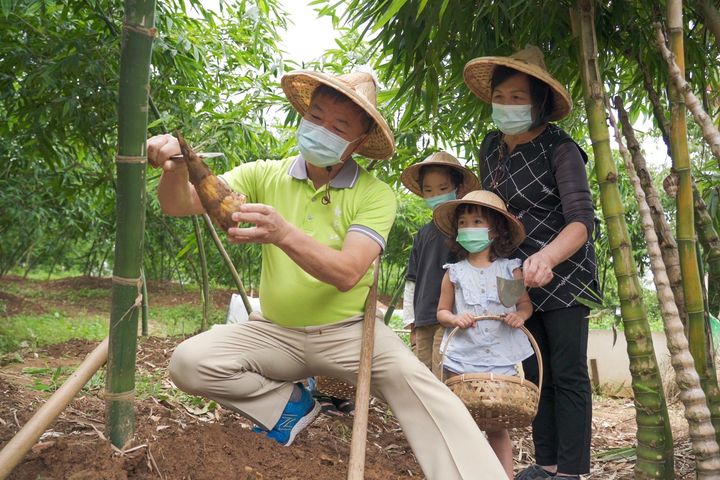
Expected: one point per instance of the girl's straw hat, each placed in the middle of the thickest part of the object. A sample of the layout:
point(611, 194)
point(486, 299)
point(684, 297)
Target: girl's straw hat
point(479, 71)
point(410, 177)
point(444, 214)
point(358, 87)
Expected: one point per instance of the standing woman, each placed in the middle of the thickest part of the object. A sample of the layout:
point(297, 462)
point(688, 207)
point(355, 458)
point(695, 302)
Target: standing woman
point(539, 171)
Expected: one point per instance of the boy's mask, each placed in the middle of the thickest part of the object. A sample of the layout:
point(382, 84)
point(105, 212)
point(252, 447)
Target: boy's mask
point(433, 202)
point(474, 240)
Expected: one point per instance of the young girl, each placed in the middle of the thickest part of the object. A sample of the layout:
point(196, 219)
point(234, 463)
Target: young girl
point(484, 235)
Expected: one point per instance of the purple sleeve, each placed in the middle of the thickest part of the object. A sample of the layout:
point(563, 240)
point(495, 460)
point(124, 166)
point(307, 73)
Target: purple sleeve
point(572, 183)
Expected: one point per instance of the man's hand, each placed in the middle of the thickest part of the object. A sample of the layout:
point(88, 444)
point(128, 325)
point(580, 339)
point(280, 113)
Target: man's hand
point(537, 270)
point(270, 226)
point(159, 150)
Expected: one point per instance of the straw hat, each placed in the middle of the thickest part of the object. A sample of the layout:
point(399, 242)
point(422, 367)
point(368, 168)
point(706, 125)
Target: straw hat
point(358, 87)
point(444, 214)
point(410, 177)
point(479, 71)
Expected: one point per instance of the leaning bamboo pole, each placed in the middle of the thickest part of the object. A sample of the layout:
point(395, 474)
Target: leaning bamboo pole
point(137, 38)
point(654, 438)
point(697, 413)
point(686, 215)
point(14, 451)
point(668, 246)
point(709, 131)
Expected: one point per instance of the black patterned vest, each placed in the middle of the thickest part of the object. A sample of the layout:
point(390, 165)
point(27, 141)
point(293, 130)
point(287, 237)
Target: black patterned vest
point(525, 181)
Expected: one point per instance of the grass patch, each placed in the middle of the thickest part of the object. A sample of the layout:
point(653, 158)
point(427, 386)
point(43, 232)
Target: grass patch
point(181, 319)
point(47, 329)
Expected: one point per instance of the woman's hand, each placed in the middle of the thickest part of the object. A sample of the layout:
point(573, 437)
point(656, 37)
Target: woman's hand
point(463, 320)
point(537, 270)
point(514, 320)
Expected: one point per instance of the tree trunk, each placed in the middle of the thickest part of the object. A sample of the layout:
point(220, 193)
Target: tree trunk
point(655, 443)
point(686, 215)
point(697, 413)
point(135, 56)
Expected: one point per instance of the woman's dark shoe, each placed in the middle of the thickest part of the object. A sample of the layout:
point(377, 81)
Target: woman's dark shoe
point(534, 472)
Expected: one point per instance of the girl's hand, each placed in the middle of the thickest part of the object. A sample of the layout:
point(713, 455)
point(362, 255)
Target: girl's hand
point(514, 320)
point(464, 320)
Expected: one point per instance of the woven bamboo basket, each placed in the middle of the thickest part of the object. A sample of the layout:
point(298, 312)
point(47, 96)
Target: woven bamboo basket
point(497, 402)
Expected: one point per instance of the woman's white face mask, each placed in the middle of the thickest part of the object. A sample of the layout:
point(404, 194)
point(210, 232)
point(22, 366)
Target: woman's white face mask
point(319, 146)
point(512, 119)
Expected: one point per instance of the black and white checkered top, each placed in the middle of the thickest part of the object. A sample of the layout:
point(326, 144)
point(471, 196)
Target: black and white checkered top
point(545, 185)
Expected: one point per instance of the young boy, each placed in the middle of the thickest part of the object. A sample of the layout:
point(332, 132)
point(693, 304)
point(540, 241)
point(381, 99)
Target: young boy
point(438, 179)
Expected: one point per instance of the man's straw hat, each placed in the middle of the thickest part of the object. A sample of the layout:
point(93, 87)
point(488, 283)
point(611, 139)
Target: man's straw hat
point(410, 177)
point(358, 87)
point(444, 214)
point(479, 71)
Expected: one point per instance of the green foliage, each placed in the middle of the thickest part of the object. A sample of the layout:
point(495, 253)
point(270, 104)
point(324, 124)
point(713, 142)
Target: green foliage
point(47, 329)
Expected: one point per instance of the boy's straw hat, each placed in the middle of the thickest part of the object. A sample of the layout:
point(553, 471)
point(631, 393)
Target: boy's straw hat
point(358, 87)
point(410, 177)
point(479, 71)
point(444, 214)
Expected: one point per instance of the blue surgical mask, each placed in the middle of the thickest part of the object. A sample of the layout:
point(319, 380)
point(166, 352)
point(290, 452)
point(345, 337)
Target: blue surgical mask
point(433, 202)
point(319, 146)
point(474, 240)
point(512, 119)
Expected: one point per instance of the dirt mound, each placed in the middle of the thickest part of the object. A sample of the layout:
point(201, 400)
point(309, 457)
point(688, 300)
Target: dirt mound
point(15, 305)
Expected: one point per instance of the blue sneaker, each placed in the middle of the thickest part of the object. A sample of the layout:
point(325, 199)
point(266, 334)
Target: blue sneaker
point(294, 419)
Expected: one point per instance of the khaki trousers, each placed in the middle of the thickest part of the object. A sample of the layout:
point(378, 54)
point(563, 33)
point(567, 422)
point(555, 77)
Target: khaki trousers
point(250, 368)
point(427, 345)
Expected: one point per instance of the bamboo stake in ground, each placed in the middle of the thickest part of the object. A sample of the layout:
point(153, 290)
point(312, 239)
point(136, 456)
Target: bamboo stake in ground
point(356, 464)
point(709, 132)
point(697, 413)
point(17, 447)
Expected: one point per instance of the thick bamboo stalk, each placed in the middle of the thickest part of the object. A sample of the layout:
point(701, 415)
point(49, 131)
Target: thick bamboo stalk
point(654, 438)
point(709, 132)
point(710, 241)
point(668, 246)
point(697, 413)
point(686, 214)
point(137, 38)
point(205, 285)
point(358, 441)
point(228, 262)
point(711, 18)
point(14, 451)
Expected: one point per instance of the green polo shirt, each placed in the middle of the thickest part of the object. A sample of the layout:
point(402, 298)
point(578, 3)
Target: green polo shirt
point(361, 203)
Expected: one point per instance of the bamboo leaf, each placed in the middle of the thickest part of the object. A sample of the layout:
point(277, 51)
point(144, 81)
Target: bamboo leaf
point(394, 7)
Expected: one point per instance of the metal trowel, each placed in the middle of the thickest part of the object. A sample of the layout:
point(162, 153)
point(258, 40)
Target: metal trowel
point(510, 290)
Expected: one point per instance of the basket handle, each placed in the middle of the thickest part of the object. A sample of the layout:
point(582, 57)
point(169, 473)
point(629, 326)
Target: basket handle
point(499, 318)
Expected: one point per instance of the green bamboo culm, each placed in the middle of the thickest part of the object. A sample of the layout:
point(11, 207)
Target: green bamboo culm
point(204, 268)
point(654, 437)
point(685, 228)
point(137, 37)
point(710, 242)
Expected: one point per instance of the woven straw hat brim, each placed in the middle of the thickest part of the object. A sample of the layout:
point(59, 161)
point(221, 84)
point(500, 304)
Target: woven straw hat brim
point(299, 86)
point(444, 214)
point(410, 177)
point(478, 73)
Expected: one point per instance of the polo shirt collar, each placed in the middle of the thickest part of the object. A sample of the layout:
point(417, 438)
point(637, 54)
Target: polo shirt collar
point(346, 177)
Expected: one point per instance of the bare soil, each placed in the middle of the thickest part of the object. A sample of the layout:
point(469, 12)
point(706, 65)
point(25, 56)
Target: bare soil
point(176, 439)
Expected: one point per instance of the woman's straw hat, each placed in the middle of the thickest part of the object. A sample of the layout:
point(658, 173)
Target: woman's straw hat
point(358, 87)
point(479, 71)
point(444, 214)
point(410, 177)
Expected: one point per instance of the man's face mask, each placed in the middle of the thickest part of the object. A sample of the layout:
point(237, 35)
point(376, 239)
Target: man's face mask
point(512, 119)
point(319, 146)
point(433, 202)
point(474, 240)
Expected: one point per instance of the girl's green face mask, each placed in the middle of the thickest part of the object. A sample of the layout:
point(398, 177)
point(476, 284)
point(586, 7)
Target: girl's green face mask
point(474, 240)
